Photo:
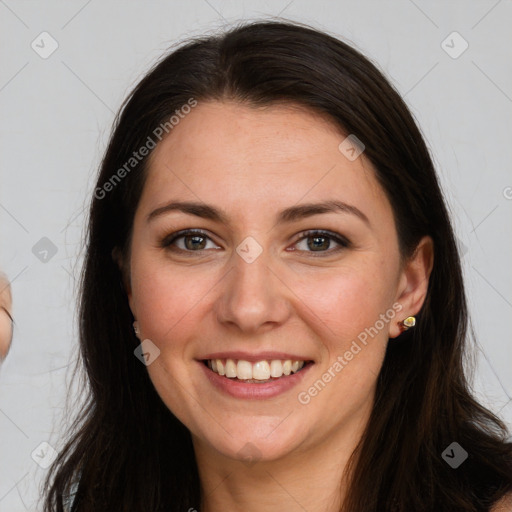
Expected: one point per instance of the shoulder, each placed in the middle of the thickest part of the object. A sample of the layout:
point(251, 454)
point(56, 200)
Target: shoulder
point(504, 505)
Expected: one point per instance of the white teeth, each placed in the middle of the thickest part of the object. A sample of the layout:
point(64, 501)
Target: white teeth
point(244, 370)
point(261, 370)
point(276, 369)
point(230, 368)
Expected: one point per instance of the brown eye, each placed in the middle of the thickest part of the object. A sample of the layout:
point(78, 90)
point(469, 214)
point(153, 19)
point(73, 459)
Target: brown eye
point(193, 242)
point(321, 242)
point(188, 241)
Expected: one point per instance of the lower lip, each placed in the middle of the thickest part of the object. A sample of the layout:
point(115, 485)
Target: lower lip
point(238, 389)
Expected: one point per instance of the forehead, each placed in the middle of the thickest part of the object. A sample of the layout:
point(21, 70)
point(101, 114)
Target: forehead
point(226, 153)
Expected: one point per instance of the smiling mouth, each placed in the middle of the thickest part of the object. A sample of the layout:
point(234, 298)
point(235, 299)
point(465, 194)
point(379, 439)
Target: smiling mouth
point(255, 373)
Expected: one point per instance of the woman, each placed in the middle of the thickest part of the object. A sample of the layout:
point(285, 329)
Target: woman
point(272, 308)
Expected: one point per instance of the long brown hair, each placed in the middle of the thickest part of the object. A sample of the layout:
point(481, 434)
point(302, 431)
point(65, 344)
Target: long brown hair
point(128, 450)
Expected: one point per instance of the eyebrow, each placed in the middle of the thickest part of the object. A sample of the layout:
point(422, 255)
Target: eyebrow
point(291, 214)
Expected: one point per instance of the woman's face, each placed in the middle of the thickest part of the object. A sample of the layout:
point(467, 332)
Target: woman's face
point(251, 285)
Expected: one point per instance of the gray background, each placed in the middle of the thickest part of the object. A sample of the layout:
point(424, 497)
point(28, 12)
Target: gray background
point(56, 114)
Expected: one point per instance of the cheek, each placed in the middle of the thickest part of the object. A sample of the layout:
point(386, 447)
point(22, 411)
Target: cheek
point(345, 300)
point(354, 312)
point(166, 299)
point(349, 300)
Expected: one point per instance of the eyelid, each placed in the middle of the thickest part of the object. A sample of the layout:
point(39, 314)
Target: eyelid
point(341, 240)
point(169, 239)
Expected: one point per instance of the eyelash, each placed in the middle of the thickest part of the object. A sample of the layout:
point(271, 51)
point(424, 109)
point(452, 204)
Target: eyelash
point(343, 242)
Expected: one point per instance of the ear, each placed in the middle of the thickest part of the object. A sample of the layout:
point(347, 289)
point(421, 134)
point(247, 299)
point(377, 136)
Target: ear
point(413, 282)
point(117, 257)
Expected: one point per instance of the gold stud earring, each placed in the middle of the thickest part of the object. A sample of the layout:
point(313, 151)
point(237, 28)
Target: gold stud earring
point(409, 322)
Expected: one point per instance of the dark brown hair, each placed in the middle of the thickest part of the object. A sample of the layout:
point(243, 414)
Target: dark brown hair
point(128, 450)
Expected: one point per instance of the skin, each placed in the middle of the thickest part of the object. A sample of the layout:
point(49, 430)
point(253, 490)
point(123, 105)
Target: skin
point(5, 317)
point(252, 163)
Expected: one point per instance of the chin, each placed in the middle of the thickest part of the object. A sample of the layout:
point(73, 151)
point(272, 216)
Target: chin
point(252, 441)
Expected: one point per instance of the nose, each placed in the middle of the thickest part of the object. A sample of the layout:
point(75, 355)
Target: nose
point(252, 297)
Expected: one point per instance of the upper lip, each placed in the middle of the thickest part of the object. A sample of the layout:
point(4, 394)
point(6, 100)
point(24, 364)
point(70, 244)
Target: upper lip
point(253, 357)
